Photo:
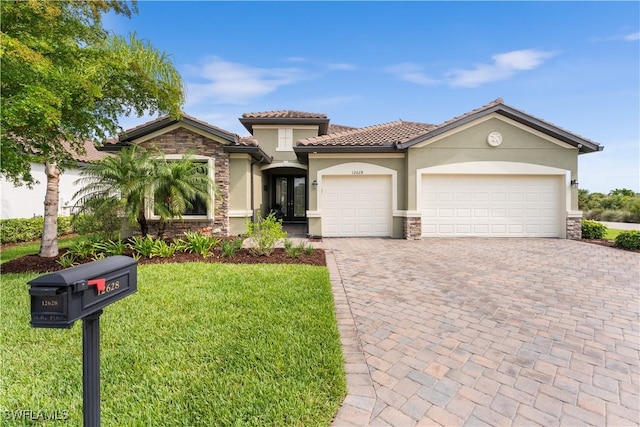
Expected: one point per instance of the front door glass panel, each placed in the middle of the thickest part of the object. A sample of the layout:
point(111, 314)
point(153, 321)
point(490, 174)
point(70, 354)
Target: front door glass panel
point(290, 197)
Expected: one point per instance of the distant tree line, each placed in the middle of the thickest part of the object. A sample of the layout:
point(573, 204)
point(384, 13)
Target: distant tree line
point(620, 205)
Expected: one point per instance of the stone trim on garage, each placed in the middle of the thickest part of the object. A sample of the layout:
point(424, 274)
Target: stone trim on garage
point(412, 228)
point(574, 225)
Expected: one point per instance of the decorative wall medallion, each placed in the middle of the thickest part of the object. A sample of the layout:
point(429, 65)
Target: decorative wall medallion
point(494, 139)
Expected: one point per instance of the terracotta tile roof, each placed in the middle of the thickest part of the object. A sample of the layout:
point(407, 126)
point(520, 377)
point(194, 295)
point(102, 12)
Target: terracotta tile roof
point(378, 135)
point(283, 114)
point(91, 153)
point(249, 141)
point(159, 120)
point(340, 128)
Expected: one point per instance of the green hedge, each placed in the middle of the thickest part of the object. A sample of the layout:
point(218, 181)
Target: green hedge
point(593, 229)
point(628, 239)
point(26, 229)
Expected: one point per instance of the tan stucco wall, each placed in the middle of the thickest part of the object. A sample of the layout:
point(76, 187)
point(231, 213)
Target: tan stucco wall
point(240, 182)
point(268, 138)
point(241, 172)
point(470, 145)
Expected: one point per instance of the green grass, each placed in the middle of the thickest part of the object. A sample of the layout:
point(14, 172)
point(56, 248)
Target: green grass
point(30, 248)
point(198, 344)
point(611, 233)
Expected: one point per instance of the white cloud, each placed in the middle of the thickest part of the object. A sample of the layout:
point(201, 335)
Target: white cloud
point(411, 72)
point(632, 37)
point(224, 82)
point(341, 66)
point(504, 66)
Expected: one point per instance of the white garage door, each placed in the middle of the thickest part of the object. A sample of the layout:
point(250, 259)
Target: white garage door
point(491, 205)
point(356, 206)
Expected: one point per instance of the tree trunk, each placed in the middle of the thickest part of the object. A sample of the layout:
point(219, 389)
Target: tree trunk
point(144, 227)
point(49, 243)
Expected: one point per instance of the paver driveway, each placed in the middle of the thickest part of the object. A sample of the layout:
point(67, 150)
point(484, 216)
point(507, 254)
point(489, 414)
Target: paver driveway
point(472, 331)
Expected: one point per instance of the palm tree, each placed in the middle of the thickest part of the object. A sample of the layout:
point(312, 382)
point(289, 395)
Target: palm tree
point(178, 186)
point(126, 181)
point(119, 182)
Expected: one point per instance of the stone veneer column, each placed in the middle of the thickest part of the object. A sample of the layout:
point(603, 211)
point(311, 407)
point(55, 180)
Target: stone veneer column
point(574, 226)
point(412, 228)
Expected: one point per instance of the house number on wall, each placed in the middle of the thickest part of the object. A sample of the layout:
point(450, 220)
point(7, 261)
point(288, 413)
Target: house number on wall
point(357, 172)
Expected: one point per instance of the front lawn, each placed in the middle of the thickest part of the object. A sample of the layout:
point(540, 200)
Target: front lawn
point(611, 233)
point(198, 344)
point(9, 252)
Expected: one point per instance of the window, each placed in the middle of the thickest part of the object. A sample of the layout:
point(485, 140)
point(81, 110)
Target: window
point(199, 208)
point(285, 140)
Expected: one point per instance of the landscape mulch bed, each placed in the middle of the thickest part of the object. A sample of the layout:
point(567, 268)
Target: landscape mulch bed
point(36, 264)
point(608, 243)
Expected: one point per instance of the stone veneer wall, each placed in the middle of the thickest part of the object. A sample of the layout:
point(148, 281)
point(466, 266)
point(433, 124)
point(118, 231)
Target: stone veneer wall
point(412, 228)
point(181, 141)
point(574, 227)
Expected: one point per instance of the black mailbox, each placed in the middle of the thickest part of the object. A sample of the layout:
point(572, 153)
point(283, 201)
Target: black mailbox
point(59, 299)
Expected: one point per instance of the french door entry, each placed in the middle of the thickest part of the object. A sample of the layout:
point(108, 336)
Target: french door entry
point(290, 197)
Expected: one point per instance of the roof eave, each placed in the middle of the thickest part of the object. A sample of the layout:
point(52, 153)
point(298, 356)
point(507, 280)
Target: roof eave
point(584, 145)
point(248, 122)
point(255, 152)
point(303, 151)
point(168, 121)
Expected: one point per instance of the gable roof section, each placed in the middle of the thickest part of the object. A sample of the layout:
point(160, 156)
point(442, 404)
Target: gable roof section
point(236, 144)
point(584, 145)
point(162, 122)
point(285, 117)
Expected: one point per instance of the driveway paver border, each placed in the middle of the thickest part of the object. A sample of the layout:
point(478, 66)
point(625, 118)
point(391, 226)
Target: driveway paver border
point(361, 396)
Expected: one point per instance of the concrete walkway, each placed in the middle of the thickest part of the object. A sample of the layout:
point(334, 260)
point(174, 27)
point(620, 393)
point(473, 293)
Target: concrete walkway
point(487, 332)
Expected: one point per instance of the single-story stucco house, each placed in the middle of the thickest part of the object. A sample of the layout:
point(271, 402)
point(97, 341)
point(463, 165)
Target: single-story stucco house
point(494, 171)
point(24, 202)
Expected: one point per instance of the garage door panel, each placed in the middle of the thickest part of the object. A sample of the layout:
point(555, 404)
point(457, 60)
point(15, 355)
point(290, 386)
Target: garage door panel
point(491, 205)
point(356, 206)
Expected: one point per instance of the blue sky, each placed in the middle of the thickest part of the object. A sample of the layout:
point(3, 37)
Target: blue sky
point(573, 64)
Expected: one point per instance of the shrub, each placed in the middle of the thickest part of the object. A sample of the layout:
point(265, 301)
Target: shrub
point(628, 239)
point(229, 247)
point(307, 249)
point(612, 215)
point(592, 229)
point(105, 223)
point(87, 247)
point(67, 260)
point(264, 234)
point(294, 251)
point(15, 230)
point(197, 243)
point(142, 246)
point(111, 247)
point(291, 250)
point(162, 249)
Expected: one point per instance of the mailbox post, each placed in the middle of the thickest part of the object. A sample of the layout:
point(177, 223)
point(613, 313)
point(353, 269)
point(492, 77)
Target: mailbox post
point(59, 299)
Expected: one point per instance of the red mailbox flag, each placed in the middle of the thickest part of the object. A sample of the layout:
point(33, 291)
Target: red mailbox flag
point(99, 284)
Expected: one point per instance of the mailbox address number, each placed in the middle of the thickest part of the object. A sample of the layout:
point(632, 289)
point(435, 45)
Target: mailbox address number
point(357, 172)
point(110, 287)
